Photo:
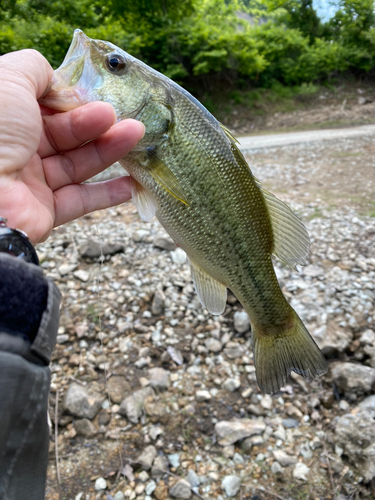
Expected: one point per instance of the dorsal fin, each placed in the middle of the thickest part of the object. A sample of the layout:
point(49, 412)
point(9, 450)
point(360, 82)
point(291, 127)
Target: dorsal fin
point(229, 134)
point(291, 241)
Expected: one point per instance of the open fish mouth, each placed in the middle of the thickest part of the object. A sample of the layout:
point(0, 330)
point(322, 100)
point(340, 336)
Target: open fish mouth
point(74, 79)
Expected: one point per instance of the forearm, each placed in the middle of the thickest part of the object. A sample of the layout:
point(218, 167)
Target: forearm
point(29, 310)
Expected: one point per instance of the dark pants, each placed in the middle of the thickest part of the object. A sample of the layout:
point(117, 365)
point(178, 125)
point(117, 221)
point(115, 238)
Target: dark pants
point(29, 313)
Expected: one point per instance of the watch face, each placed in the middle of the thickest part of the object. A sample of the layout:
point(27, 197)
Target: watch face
point(16, 243)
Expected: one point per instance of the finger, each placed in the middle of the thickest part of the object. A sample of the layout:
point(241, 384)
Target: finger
point(65, 131)
point(76, 200)
point(74, 167)
point(28, 69)
point(24, 75)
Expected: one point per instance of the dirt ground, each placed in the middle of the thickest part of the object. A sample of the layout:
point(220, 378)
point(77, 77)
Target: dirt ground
point(338, 173)
point(318, 177)
point(344, 104)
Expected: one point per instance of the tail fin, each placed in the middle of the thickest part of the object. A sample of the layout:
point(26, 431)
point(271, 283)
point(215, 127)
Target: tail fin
point(276, 356)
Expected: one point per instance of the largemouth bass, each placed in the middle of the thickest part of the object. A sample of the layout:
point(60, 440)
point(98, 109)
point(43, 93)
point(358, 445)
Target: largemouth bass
point(188, 171)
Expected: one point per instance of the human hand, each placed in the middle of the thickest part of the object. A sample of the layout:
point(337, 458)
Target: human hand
point(43, 161)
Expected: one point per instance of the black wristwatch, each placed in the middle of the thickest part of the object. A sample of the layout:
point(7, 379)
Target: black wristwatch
point(15, 242)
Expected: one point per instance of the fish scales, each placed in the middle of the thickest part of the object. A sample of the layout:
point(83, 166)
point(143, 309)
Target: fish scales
point(228, 218)
point(189, 172)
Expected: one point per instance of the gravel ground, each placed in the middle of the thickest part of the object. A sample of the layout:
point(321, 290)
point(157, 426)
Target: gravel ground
point(157, 399)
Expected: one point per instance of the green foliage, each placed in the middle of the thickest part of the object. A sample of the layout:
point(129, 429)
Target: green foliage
point(240, 44)
point(353, 27)
point(299, 14)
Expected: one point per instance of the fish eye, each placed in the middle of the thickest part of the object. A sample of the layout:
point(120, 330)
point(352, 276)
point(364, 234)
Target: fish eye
point(115, 63)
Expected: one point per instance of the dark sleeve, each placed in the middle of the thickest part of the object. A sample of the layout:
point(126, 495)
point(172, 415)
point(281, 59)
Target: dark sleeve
point(29, 314)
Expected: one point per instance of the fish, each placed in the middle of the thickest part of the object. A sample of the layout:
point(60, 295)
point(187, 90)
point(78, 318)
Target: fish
point(188, 171)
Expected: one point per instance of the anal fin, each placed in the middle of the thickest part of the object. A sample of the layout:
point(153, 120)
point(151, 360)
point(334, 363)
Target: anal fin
point(211, 293)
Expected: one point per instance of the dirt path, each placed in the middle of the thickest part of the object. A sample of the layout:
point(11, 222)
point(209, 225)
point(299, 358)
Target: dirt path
point(336, 173)
point(249, 142)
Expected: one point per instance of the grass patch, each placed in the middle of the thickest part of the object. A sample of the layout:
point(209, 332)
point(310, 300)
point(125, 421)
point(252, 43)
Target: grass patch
point(316, 214)
point(259, 102)
point(371, 211)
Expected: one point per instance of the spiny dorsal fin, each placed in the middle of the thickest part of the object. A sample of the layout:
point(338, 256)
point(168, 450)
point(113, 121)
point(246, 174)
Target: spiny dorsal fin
point(229, 134)
point(291, 241)
point(211, 293)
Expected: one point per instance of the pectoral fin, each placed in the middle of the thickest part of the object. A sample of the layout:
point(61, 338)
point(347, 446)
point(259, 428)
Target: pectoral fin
point(211, 293)
point(165, 177)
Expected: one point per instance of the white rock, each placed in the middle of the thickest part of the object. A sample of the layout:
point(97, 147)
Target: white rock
point(368, 403)
point(178, 256)
point(230, 431)
point(332, 339)
point(146, 458)
point(100, 484)
point(155, 431)
point(231, 485)
point(232, 384)
point(283, 458)
point(193, 478)
point(276, 468)
point(313, 271)
point(241, 321)
point(213, 345)
point(174, 460)
point(368, 337)
point(175, 355)
point(158, 301)
point(140, 235)
point(143, 476)
point(164, 241)
point(238, 458)
point(353, 377)
point(132, 406)
point(81, 402)
point(300, 471)
point(181, 489)
point(150, 487)
point(355, 436)
point(266, 402)
point(344, 405)
point(159, 378)
point(201, 396)
point(82, 275)
point(66, 269)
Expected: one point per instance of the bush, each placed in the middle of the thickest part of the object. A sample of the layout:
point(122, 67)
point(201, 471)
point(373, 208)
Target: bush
point(195, 41)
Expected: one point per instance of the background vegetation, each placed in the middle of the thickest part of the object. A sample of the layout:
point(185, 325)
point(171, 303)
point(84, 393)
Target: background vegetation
point(239, 44)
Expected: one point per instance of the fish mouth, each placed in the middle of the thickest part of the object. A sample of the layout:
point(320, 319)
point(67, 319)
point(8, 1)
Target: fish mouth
point(72, 81)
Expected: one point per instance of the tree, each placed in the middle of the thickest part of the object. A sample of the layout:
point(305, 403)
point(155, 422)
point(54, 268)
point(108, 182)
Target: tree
point(299, 14)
